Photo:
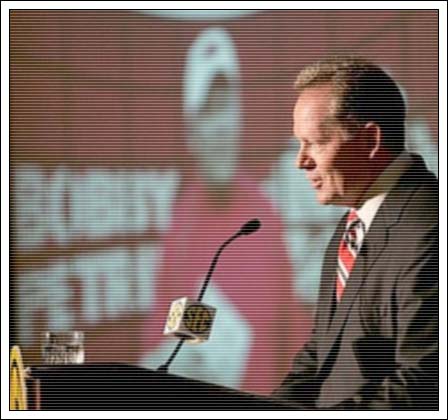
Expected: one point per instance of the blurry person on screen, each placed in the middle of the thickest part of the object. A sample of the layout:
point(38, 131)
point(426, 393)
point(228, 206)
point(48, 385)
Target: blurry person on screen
point(252, 285)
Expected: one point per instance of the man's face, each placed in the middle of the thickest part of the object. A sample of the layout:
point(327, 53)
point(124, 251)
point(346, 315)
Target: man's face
point(335, 164)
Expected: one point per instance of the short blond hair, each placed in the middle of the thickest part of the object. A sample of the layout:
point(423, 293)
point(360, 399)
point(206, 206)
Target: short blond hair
point(363, 91)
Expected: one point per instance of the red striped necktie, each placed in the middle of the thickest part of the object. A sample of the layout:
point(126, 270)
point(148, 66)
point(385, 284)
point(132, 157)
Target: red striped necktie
point(348, 250)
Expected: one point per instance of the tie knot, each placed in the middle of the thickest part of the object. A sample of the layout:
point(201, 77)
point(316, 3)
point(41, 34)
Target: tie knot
point(354, 223)
point(352, 218)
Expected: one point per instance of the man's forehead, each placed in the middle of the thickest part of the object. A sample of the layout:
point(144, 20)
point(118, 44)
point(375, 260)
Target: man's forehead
point(314, 111)
point(321, 96)
point(314, 105)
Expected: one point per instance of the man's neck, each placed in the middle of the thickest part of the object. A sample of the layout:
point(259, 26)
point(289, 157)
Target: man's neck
point(379, 174)
point(388, 177)
point(375, 195)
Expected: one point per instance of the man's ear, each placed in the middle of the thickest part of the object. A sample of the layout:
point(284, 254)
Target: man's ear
point(371, 135)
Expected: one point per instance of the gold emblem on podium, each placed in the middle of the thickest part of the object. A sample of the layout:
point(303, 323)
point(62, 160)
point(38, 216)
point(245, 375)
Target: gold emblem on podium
point(17, 386)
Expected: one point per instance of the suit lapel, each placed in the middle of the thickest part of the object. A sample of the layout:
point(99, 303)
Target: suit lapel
point(328, 277)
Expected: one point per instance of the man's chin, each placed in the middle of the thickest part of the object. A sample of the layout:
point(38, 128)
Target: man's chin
point(327, 200)
point(323, 199)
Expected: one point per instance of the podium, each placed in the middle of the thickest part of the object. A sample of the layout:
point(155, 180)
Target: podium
point(116, 386)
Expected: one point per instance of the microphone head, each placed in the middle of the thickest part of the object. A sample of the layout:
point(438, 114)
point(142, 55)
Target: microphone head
point(250, 227)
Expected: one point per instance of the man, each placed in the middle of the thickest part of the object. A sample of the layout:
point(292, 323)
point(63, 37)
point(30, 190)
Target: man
point(375, 338)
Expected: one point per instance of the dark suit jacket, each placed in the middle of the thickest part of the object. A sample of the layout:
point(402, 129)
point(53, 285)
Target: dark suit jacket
point(378, 348)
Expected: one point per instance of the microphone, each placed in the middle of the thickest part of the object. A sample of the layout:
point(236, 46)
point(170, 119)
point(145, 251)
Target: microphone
point(250, 227)
point(192, 320)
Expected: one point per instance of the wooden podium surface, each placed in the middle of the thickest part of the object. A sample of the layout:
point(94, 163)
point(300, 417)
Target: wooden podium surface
point(115, 386)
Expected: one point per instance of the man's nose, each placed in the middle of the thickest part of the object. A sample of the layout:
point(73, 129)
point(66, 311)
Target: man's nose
point(303, 160)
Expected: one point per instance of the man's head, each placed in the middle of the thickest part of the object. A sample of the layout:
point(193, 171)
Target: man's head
point(349, 120)
point(212, 105)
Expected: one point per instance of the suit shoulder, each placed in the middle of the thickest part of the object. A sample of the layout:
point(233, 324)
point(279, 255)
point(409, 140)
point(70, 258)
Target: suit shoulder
point(421, 212)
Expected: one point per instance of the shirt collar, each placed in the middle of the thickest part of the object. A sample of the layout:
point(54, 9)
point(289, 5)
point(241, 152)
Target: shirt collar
point(378, 191)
